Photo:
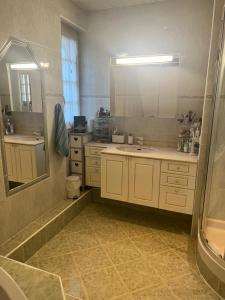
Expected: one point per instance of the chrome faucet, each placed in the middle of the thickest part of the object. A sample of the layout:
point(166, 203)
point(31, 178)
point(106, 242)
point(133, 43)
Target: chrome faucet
point(140, 140)
point(37, 133)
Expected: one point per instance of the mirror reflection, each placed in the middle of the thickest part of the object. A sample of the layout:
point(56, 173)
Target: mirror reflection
point(144, 88)
point(22, 118)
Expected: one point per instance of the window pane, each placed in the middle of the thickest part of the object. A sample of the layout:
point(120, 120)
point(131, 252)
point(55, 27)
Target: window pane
point(70, 78)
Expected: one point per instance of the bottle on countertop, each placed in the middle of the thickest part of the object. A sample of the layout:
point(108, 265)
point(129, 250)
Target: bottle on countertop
point(130, 139)
point(8, 127)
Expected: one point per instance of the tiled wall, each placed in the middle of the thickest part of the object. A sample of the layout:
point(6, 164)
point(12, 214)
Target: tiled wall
point(177, 26)
point(37, 22)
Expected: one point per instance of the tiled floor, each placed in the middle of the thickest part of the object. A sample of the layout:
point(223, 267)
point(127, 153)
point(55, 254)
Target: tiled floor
point(109, 252)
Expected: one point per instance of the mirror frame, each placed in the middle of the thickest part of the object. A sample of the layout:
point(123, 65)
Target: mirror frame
point(3, 50)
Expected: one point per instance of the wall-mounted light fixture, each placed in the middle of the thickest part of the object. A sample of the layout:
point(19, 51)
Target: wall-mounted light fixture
point(28, 66)
point(146, 60)
point(24, 66)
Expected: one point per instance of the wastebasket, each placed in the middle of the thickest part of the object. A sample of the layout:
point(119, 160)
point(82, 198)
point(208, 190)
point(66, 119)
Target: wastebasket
point(73, 184)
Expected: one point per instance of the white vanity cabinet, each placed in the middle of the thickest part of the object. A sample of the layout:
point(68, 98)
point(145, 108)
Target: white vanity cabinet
point(114, 177)
point(134, 180)
point(93, 164)
point(164, 184)
point(144, 177)
point(24, 162)
point(177, 186)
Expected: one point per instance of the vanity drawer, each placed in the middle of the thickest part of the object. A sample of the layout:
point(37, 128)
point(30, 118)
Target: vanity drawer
point(93, 161)
point(179, 167)
point(75, 141)
point(76, 154)
point(176, 199)
point(93, 151)
point(177, 180)
point(93, 176)
point(76, 167)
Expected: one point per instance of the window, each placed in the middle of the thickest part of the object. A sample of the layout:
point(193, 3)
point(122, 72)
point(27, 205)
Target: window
point(25, 91)
point(69, 49)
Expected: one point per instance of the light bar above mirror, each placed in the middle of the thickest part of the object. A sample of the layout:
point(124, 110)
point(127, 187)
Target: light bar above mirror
point(145, 60)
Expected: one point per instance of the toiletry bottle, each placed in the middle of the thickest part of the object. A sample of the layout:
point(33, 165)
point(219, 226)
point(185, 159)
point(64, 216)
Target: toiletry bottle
point(130, 139)
point(8, 127)
point(186, 146)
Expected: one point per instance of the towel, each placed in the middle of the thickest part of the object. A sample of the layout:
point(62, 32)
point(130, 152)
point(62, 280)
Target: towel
point(61, 134)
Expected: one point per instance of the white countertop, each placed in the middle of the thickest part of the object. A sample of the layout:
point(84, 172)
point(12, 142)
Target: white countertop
point(23, 139)
point(156, 152)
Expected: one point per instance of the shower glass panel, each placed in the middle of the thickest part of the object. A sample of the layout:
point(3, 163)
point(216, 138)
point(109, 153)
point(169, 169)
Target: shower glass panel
point(213, 224)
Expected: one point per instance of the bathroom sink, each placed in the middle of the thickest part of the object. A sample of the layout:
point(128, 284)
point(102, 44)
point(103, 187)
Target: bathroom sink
point(26, 139)
point(135, 149)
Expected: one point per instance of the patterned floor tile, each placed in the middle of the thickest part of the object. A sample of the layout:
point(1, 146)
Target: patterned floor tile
point(122, 251)
point(138, 274)
point(150, 244)
point(133, 229)
point(162, 293)
point(110, 252)
point(169, 264)
point(74, 287)
point(104, 284)
point(111, 233)
point(90, 260)
point(82, 240)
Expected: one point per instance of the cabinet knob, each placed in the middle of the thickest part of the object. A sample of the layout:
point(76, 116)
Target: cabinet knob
point(76, 152)
point(75, 139)
point(76, 164)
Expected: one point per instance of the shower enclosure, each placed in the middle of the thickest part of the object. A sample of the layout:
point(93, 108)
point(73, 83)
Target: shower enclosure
point(211, 241)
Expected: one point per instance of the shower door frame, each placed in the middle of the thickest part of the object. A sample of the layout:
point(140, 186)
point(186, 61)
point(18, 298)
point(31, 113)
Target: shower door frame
point(216, 101)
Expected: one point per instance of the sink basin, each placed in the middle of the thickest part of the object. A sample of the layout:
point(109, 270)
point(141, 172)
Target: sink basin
point(135, 149)
point(26, 138)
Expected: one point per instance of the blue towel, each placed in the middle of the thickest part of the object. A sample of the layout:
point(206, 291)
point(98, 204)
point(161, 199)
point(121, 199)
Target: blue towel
point(61, 134)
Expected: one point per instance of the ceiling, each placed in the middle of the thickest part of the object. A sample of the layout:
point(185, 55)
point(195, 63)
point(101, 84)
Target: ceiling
point(95, 5)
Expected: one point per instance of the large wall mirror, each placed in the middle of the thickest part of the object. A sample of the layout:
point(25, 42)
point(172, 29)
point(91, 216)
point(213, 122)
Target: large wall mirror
point(23, 130)
point(144, 86)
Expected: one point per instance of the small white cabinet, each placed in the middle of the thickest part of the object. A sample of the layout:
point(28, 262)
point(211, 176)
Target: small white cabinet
point(144, 176)
point(24, 162)
point(114, 177)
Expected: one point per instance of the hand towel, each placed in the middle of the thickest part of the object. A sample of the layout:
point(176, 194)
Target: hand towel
point(61, 134)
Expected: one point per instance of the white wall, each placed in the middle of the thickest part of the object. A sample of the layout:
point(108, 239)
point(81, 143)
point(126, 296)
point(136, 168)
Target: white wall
point(176, 26)
point(39, 23)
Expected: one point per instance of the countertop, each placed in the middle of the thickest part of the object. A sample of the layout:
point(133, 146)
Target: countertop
point(35, 283)
point(156, 152)
point(23, 139)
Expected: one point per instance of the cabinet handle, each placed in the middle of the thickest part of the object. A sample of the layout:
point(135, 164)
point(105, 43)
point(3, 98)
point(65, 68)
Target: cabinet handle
point(76, 152)
point(76, 164)
point(75, 139)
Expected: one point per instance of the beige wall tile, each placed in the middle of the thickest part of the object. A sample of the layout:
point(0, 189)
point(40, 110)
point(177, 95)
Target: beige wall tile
point(38, 22)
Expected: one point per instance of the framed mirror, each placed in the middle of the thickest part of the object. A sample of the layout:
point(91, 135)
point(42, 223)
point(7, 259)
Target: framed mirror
point(23, 117)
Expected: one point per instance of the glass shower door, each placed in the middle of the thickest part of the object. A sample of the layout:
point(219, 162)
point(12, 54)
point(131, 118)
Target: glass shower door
point(213, 224)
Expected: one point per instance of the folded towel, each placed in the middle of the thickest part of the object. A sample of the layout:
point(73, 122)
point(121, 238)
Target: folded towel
point(61, 134)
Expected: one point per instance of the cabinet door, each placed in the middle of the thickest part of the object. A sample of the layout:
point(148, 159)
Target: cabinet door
point(114, 177)
point(26, 163)
point(11, 161)
point(144, 176)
